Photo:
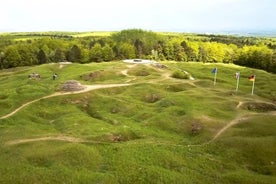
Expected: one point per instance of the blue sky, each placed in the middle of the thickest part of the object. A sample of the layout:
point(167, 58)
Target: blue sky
point(155, 15)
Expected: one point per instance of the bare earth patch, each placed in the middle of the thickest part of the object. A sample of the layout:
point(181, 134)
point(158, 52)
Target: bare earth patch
point(259, 106)
point(229, 125)
point(58, 138)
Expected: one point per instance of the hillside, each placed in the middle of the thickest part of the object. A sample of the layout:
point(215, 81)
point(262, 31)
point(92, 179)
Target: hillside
point(135, 123)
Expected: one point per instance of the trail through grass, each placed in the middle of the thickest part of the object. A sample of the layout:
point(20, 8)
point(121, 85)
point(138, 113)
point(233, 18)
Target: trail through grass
point(136, 124)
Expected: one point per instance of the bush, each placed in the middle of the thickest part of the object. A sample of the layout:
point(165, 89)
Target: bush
point(151, 98)
point(180, 75)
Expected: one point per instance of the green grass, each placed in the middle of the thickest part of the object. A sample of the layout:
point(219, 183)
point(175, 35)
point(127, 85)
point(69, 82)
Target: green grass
point(153, 131)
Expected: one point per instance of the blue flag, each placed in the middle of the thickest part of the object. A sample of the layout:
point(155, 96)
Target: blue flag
point(214, 70)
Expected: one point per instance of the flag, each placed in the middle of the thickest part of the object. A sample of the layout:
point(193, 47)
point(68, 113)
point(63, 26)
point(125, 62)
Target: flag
point(237, 75)
point(214, 71)
point(252, 78)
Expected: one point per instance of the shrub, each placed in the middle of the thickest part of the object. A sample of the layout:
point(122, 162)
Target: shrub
point(180, 75)
point(151, 98)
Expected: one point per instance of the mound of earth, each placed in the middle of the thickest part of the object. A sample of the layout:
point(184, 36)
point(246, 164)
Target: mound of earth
point(92, 75)
point(72, 85)
point(259, 106)
point(158, 65)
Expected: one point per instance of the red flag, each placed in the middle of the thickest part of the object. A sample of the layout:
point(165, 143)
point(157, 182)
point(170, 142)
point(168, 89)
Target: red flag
point(252, 78)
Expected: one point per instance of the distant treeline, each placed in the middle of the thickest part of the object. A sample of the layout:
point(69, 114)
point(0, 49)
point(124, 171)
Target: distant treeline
point(39, 48)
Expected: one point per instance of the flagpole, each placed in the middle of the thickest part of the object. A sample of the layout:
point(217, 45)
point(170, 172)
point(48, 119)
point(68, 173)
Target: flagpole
point(238, 80)
point(252, 92)
point(215, 77)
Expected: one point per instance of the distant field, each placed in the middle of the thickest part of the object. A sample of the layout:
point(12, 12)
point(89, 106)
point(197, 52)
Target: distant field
point(156, 129)
point(99, 33)
point(23, 36)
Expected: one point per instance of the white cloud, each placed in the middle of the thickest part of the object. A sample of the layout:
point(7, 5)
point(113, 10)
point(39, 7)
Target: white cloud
point(32, 15)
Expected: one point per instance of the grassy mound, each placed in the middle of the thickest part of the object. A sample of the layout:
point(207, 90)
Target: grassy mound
point(180, 75)
point(101, 75)
point(155, 130)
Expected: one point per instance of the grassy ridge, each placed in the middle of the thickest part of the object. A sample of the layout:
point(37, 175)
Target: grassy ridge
point(143, 133)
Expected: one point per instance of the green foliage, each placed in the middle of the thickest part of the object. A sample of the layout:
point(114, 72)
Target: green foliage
point(41, 57)
point(11, 57)
point(143, 41)
point(74, 54)
point(58, 55)
point(108, 54)
point(180, 75)
point(96, 53)
point(21, 49)
point(125, 50)
point(256, 57)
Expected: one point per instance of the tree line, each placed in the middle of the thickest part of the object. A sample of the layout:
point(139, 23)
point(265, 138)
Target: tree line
point(253, 52)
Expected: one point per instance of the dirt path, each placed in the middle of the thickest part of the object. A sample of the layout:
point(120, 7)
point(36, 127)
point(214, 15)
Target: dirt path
point(235, 121)
point(238, 120)
point(64, 138)
point(86, 89)
point(59, 138)
point(239, 104)
point(124, 72)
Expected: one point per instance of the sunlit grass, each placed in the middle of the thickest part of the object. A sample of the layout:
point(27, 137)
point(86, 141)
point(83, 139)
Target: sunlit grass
point(153, 131)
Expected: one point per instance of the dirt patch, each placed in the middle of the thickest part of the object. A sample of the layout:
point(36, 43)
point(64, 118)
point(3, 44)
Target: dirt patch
point(92, 75)
point(72, 85)
point(58, 138)
point(124, 72)
point(239, 104)
point(61, 64)
point(160, 66)
point(196, 127)
point(258, 106)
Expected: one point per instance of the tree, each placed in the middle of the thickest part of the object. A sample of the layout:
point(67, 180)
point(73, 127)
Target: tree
point(202, 53)
point(139, 48)
point(58, 55)
point(190, 53)
point(2, 54)
point(230, 53)
point(169, 51)
point(272, 67)
point(41, 57)
point(255, 56)
point(125, 51)
point(12, 57)
point(96, 53)
point(108, 53)
point(28, 54)
point(74, 54)
point(179, 54)
point(143, 41)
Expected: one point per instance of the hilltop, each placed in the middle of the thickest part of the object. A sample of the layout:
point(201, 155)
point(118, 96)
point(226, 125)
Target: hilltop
point(135, 123)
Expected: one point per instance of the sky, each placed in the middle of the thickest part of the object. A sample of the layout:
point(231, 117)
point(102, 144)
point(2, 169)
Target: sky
point(154, 15)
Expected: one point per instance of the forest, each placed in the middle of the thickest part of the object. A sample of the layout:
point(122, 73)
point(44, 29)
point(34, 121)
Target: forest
point(25, 49)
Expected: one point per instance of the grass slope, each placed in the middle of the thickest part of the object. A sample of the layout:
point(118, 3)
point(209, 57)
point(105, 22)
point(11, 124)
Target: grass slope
point(157, 130)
